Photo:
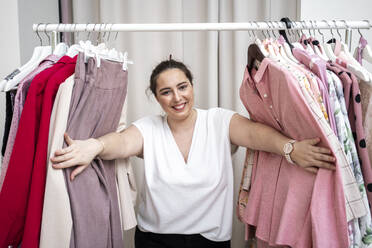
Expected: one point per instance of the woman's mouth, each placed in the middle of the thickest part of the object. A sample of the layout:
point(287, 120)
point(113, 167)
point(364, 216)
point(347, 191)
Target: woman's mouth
point(179, 107)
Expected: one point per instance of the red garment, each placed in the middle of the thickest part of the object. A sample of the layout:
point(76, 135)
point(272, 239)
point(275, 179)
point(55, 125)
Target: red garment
point(16, 188)
point(31, 232)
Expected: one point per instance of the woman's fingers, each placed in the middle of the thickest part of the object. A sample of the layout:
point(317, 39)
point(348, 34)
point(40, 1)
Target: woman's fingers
point(312, 169)
point(313, 141)
point(323, 157)
point(323, 150)
point(61, 158)
point(77, 171)
point(324, 165)
point(65, 164)
point(68, 140)
point(63, 151)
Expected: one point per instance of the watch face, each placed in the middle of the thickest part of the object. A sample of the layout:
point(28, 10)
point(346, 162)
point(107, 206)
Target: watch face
point(288, 148)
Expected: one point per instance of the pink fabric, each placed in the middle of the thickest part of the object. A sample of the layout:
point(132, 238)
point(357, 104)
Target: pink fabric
point(18, 107)
point(354, 109)
point(288, 205)
point(318, 66)
point(362, 44)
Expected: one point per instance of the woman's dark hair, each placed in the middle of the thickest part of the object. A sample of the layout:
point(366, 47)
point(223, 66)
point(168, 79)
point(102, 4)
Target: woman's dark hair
point(165, 65)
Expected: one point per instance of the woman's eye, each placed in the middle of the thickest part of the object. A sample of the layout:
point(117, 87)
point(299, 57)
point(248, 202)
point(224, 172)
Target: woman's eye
point(183, 87)
point(165, 93)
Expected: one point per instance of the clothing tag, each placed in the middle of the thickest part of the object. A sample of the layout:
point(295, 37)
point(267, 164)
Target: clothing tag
point(12, 75)
point(257, 63)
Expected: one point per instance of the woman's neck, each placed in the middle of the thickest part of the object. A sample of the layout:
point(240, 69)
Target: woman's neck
point(184, 124)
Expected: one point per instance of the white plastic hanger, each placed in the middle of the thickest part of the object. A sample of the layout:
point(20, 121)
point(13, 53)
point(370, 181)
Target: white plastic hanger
point(40, 53)
point(61, 49)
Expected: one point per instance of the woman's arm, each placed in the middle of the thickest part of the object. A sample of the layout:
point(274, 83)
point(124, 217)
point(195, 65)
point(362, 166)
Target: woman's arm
point(257, 136)
point(110, 146)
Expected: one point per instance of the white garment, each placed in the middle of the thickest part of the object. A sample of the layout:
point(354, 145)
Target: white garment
point(191, 198)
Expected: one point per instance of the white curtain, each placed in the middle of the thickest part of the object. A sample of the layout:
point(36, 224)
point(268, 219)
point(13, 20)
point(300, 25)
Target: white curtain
point(216, 59)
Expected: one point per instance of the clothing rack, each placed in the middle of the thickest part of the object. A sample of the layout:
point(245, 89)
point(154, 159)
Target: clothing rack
point(226, 26)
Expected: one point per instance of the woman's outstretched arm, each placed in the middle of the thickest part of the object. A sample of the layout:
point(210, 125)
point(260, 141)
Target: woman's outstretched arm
point(110, 146)
point(257, 136)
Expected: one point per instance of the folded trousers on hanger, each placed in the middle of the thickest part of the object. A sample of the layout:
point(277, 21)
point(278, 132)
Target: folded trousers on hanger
point(96, 103)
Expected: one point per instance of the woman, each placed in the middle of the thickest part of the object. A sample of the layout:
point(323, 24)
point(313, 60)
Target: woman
point(188, 189)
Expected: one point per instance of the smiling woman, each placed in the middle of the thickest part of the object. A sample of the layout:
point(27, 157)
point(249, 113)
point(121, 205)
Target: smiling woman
point(188, 192)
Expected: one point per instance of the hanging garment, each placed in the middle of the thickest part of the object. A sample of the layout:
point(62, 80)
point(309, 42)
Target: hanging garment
point(19, 102)
point(126, 183)
point(360, 234)
point(318, 67)
point(300, 208)
point(354, 109)
point(56, 231)
point(16, 187)
point(37, 187)
point(359, 50)
point(366, 100)
point(311, 98)
point(56, 220)
point(9, 106)
point(96, 102)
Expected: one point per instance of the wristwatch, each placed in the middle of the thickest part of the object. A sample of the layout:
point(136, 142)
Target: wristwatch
point(288, 148)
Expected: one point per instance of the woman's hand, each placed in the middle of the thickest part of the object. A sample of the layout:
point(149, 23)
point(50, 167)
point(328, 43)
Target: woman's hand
point(311, 157)
point(78, 153)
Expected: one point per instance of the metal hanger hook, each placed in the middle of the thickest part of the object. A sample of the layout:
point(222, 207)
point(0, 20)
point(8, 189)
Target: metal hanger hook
point(75, 34)
point(312, 23)
point(338, 31)
point(297, 29)
point(38, 35)
point(45, 28)
point(321, 34)
point(330, 28)
point(109, 33)
point(255, 31)
point(274, 27)
point(86, 29)
point(99, 33)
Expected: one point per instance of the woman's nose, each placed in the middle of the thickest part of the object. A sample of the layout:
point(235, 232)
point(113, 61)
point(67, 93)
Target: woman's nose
point(176, 96)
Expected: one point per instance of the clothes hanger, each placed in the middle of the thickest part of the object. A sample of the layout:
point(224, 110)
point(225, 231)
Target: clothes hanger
point(35, 55)
point(277, 44)
point(300, 34)
point(367, 51)
point(321, 45)
point(74, 49)
point(258, 42)
point(61, 48)
point(316, 43)
point(40, 53)
point(308, 48)
point(352, 64)
point(327, 47)
point(288, 24)
point(344, 47)
point(256, 53)
point(288, 50)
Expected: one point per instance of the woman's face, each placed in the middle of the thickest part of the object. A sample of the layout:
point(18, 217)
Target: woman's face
point(175, 94)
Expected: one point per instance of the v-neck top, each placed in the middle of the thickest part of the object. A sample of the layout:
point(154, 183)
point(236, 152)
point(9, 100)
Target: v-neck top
point(188, 198)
